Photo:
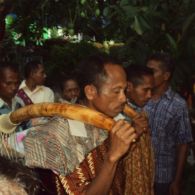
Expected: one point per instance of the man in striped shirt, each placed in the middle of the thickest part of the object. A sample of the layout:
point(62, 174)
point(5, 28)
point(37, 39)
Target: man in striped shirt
point(170, 127)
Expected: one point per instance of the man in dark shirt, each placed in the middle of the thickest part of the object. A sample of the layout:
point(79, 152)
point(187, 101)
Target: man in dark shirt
point(170, 127)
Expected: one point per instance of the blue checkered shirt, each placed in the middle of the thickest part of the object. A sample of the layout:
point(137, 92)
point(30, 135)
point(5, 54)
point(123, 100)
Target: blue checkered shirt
point(170, 126)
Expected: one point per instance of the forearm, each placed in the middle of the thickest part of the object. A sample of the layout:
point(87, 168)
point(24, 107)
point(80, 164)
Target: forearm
point(102, 183)
point(181, 159)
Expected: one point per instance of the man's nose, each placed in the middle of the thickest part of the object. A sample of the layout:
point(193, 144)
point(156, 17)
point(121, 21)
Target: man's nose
point(14, 87)
point(149, 94)
point(122, 97)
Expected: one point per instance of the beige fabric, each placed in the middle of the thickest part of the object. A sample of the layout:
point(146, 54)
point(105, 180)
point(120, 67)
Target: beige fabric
point(53, 146)
point(6, 126)
point(39, 94)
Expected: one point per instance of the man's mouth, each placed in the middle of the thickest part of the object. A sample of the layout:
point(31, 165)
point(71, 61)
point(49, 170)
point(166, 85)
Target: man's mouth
point(120, 108)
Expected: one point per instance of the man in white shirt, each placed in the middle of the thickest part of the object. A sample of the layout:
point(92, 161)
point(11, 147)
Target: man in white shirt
point(32, 89)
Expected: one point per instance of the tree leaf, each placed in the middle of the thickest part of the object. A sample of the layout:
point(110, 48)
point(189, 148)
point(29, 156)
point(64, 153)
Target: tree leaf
point(136, 26)
point(172, 42)
point(187, 23)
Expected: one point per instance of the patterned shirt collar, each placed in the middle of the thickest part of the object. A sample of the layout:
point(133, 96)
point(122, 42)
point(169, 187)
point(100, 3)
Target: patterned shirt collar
point(169, 93)
point(3, 104)
point(134, 106)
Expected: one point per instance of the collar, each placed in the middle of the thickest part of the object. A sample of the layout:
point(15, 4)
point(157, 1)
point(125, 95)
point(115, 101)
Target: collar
point(3, 103)
point(169, 93)
point(24, 86)
point(134, 106)
point(62, 100)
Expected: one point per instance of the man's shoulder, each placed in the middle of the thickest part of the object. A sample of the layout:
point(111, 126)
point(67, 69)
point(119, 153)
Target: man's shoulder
point(178, 100)
point(47, 89)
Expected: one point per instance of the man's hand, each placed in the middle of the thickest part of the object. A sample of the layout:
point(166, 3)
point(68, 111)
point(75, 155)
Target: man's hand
point(122, 136)
point(140, 123)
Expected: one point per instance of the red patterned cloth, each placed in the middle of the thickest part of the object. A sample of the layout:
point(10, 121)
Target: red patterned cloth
point(21, 93)
point(134, 174)
point(83, 175)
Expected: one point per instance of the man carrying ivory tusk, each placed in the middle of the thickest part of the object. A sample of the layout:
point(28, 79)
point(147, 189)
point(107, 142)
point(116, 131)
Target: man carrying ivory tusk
point(86, 159)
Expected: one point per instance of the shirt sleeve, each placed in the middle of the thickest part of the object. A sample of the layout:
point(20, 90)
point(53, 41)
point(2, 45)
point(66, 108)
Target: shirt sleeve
point(183, 126)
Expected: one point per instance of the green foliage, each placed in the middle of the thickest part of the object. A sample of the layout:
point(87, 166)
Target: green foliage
point(62, 57)
point(144, 26)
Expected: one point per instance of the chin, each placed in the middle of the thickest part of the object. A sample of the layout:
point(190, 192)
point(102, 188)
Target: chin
point(114, 114)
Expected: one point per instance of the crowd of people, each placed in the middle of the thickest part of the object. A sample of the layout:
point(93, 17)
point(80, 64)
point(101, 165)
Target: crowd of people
point(143, 153)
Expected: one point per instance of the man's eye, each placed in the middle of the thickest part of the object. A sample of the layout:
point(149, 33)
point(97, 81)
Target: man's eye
point(116, 91)
point(7, 83)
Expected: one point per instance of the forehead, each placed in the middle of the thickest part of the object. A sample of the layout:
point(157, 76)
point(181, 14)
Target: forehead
point(70, 83)
point(40, 67)
point(154, 64)
point(8, 74)
point(115, 74)
point(147, 81)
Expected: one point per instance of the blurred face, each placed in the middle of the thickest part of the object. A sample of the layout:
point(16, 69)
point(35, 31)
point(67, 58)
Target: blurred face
point(160, 76)
point(9, 83)
point(38, 75)
point(142, 93)
point(71, 90)
point(110, 97)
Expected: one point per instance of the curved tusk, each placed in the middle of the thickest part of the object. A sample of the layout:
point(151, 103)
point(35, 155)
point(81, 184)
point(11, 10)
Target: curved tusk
point(71, 111)
point(129, 111)
point(9, 122)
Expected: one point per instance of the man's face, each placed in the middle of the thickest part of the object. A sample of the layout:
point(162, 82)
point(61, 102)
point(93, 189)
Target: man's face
point(39, 75)
point(160, 76)
point(9, 83)
point(110, 97)
point(71, 90)
point(142, 93)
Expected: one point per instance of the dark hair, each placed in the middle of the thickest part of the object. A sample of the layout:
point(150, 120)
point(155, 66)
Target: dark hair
point(30, 67)
point(166, 62)
point(135, 73)
point(23, 176)
point(8, 65)
point(92, 71)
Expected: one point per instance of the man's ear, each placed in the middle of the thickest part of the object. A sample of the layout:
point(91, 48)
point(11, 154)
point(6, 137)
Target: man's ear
point(129, 87)
point(90, 92)
point(167, 76)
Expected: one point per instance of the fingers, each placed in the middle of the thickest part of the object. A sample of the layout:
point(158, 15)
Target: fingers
point(140, 123)
point(122, 136)
point(124, 131)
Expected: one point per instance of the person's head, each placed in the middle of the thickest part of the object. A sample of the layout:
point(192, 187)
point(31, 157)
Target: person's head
point(70, 89)
point(103, 83)
point(17, 179)
point(35, 71)
point(163, 67)
point(140, 81)
point(9, 81)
